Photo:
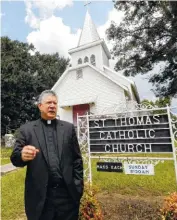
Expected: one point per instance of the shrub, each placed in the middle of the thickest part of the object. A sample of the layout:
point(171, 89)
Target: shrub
point(90, 207)
point(169, 210)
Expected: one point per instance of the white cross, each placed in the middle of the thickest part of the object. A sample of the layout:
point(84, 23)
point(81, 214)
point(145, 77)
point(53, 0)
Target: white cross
point(87, 3)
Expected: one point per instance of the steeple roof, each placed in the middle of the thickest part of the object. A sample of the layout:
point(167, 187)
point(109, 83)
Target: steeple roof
point(89, 32)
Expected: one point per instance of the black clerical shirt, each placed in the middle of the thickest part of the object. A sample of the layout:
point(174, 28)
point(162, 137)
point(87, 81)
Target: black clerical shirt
point(50, 134)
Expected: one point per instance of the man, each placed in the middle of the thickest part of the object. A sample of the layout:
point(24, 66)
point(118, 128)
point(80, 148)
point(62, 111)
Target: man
point(54, 176)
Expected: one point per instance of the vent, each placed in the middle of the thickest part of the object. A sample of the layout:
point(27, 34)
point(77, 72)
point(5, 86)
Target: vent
point(79, 74)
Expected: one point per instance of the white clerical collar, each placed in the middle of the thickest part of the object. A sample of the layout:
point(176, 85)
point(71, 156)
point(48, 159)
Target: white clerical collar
point(49, 122)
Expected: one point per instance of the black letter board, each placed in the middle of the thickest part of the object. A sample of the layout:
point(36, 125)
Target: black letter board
point(109, 167)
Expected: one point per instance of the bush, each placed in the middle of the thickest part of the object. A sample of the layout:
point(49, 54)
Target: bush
point(90, 207)
point(169, 210)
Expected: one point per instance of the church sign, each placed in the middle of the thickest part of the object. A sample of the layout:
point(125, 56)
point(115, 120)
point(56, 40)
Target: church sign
point(139, 169)
point(119, 140)
point(139, 134)
point(110, 167)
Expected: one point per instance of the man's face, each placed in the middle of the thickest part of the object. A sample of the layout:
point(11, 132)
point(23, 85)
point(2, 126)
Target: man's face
point(48, 107)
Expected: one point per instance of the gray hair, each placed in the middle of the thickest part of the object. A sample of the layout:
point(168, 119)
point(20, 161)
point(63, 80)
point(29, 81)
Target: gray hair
point(46, 93)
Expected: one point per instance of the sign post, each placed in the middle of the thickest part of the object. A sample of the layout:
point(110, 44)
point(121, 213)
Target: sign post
point(172, 139)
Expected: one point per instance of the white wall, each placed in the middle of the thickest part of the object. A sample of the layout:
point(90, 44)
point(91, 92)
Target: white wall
point(66, 114)
point(93, 84)
point(96, 50)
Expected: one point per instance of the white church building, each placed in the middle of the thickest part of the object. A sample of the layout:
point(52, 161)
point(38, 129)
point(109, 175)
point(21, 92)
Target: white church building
point(89, 84)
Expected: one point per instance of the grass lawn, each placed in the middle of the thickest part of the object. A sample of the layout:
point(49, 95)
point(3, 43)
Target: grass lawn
point(5, 155)
point(162, 183)
point(12, 191)
point(5, 161)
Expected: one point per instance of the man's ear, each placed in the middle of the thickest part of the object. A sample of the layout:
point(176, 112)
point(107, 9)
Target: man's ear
point(39, 106)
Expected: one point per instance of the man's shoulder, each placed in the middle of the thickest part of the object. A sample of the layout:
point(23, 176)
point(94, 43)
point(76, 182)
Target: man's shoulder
point(66, 123)
point(29, 124)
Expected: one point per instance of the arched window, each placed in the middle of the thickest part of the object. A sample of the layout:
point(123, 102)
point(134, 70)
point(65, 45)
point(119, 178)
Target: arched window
point(86, 59)
point(79, 61)
point(92, 60)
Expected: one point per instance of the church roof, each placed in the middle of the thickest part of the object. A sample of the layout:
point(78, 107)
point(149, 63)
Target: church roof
point(91, 66)
point(91, 44)
point(79, 101)
point(120, 80)
point(89, 32)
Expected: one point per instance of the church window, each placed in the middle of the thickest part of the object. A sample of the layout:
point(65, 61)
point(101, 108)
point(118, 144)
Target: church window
point(79, 61)
point(92, 60)
point(79, 74)
point(86, 59)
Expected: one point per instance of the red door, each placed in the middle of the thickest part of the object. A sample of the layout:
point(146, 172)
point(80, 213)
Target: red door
point(80, 110)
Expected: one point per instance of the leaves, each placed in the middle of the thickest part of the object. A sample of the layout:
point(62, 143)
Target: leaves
point(90, 207)
point(146, 36)
point(24, 77)
point(159, 103)
point(169, 210)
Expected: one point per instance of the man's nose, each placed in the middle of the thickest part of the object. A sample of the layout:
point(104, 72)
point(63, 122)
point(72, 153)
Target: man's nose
point(52, 104)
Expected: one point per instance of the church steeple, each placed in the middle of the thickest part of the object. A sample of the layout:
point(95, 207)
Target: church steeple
point(89, 32)
point(90, 47)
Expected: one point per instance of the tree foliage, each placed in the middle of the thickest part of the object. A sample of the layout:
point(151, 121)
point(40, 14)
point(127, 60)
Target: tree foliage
point(147, 36)
point(160, 102)
point(24, 77)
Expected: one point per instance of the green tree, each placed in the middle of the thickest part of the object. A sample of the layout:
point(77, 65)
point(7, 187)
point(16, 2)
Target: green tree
point(24, 77)
point(147, 36)
point(160, 102)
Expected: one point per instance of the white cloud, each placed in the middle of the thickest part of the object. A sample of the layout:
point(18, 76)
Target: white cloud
point(30, 18)
point(46, 9)
point(51, 5)
point(53, 36)
point(115, 16)
point(2, 14)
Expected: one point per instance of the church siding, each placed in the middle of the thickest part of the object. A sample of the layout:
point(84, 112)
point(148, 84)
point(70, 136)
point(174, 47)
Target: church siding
point(93, 84)
point(66, 113)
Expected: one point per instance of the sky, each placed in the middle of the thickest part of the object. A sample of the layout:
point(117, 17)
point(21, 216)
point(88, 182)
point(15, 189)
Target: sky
point(55, 26)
